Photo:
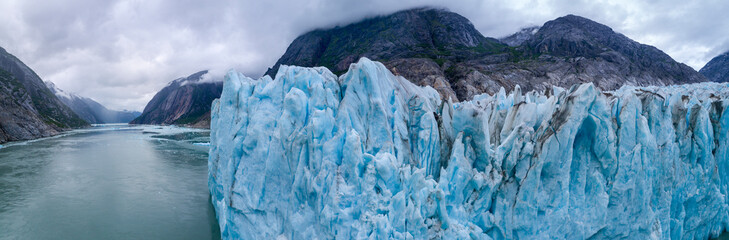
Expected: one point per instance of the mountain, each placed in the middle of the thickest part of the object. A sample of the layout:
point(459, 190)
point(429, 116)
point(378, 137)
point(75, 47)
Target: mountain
point(418, 44)
point(369, 155)
point(442, 49)
point(184, 101)
point(717, 69)
point(571, 50)
point(520, 37)
point(28, 109)
point(90, 110)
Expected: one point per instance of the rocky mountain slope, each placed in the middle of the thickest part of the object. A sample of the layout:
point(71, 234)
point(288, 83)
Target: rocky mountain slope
point(717, 69)
point(28, 109)
point(90, 110)
point(184, 101)
point(442, 49)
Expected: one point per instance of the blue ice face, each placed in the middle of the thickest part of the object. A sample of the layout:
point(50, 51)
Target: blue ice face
point(368, 154)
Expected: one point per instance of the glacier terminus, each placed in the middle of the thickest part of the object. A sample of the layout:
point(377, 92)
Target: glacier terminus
point(309, 155)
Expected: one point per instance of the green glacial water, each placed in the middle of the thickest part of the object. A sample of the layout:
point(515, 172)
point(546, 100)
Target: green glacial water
point(108, 182)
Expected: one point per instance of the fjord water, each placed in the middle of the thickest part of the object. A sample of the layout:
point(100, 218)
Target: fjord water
point(108, 182)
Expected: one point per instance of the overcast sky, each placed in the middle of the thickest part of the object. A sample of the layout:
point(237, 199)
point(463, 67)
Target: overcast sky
point(121, 53)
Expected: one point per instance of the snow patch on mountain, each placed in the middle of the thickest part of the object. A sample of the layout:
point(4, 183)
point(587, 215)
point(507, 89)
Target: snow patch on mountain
point(521, 36)
point(309, 155)
point(201, 77)
point(58, 92)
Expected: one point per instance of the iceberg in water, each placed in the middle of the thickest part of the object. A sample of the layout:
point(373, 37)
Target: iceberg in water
point(309, 155)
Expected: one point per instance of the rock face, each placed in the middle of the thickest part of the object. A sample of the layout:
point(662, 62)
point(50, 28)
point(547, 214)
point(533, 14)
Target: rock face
point(184, 101)
point(717, 69)
point(416, 44)
point(90, 110)
point(571, 50)
point(308, 155)
point(442, 49)
point(28, 109)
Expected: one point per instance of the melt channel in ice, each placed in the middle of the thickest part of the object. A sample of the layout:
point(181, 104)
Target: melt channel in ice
point(309, 155)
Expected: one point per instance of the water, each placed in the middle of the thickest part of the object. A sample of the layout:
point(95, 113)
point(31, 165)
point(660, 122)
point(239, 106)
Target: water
point(108, 182)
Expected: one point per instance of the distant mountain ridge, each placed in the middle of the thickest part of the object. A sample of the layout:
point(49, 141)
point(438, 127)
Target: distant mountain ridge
point(90, 110)
point(717, 69)
point(520, 37)
point(435, 47)
point(28, 109)
point(184, 101)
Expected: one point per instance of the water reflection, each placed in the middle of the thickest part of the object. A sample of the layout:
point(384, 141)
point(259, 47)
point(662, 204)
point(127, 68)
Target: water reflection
point(106, 183)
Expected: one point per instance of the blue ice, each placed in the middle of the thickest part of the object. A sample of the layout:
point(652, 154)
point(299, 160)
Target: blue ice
point(309, 155)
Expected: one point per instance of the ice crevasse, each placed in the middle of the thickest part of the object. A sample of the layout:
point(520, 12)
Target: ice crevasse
point(309, 155)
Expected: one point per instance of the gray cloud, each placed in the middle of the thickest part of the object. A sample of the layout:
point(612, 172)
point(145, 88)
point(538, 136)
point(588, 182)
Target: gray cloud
point(121, 53)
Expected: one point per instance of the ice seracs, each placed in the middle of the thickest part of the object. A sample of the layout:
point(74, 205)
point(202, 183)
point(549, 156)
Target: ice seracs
point(309, 155)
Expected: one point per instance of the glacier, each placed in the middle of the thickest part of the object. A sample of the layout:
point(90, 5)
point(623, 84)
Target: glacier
point(309, 155)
